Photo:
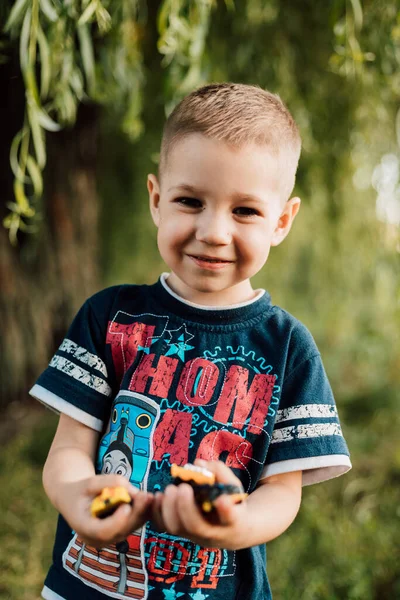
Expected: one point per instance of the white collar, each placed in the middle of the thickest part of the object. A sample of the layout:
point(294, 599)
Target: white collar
point(164, 277)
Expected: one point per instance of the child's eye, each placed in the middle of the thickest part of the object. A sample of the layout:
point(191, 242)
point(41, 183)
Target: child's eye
point(245, 211)
point(189, 202)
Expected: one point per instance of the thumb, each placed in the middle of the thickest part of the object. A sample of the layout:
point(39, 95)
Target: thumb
point(223, 474)
point(99, 482)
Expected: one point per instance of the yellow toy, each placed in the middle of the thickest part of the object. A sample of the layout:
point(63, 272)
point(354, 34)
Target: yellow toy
point(108, 501)
point(206, 491)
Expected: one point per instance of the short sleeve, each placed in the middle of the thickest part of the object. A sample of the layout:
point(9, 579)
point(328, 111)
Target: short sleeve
point(307, 435)
point(76, 382)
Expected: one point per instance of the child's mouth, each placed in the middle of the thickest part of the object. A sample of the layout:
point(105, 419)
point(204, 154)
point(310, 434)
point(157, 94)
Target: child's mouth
point(209, 262)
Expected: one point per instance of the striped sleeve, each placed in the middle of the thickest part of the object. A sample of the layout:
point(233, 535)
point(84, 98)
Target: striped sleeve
point(76, 382)
point(307, 435)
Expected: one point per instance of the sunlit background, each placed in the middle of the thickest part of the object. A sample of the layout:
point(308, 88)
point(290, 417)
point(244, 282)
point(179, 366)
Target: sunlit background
point(85, 87)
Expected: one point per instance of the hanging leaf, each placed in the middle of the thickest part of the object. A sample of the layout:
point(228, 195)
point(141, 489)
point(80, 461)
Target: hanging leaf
point(37, 135)
point(14, 156)
point(16, 14)
point(22, 201)
point(12, 223)
point(45, 121)
point(24, 40)
point(45, 64)
point(77, 84)
point(87, 53)
point(358, 13)
point(36, 176)
point(87, 14)
point(46, 6)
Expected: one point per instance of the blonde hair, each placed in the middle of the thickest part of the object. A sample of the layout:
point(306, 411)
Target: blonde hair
point(236, 114)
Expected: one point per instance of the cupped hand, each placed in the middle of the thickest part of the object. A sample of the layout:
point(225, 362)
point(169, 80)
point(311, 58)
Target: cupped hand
point(74, 503)
point(176, 512)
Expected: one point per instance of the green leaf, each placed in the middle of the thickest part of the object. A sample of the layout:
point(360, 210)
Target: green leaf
point(16, 14)
point(37, 135)
point(358, 13)
point(163, 15)
point(103, 19)
point(47, 122)
point(7, 221)
point(24, 40)
point(76, 83)
point(45, 64)
point(14, 160)
point(32, 93)
point(12, 223)
point(67, 106)
point(13, 206)
point(46, 6)
point(26, 211)
point(87, 54)
point(36, 176)
point(21, 199)
point(87, 14)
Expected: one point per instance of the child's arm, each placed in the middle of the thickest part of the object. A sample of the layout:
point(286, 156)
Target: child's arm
point(70, 482)
point(266, 513)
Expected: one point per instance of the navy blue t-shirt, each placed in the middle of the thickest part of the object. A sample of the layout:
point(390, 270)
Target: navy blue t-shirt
point(166, 381)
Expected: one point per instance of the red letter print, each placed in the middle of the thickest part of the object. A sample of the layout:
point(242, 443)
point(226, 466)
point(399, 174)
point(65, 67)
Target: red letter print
point(235, 396)
point(124, 340)
point(161, 374)
point(197, 382)
point(216, 443)
point(172, 437)
point(167, 554)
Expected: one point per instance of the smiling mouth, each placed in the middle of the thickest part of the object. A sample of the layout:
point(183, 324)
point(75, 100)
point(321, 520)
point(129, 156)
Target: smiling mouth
point(209, 259)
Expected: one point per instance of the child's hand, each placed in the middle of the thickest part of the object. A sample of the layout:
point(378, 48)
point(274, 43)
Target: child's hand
point(74, 503)
point(176, 511)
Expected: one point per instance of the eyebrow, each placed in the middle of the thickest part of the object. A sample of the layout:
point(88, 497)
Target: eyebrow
point(236, 196)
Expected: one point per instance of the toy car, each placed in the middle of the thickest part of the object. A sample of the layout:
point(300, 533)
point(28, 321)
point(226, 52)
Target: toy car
point(206, 490)
point(108, 501)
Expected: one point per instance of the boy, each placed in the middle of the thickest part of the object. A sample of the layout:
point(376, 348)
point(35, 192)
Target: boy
point(198, 367)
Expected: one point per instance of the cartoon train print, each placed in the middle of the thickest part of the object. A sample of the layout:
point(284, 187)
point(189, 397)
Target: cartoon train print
point(126, 449)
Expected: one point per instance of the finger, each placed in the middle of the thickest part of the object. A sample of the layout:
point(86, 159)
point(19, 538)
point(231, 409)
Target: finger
point(140, 511)
point(104, 531)
point(170, 515)
point(156, 512)
point(123, 521)
point(223, 474)
point(190, 515)
point(226, 510)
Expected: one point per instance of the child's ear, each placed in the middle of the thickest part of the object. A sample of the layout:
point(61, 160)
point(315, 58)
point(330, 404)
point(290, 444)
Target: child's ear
point(154, 198)
point(285, 221)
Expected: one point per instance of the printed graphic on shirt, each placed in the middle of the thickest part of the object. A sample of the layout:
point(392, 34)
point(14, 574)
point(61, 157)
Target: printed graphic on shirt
point(217, 406)
point(126, 449)
point(220, 399)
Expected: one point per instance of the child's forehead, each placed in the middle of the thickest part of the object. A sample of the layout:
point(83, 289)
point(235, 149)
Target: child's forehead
point(198, 163)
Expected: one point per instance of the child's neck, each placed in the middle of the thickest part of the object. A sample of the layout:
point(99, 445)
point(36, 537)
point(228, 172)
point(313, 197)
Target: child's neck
point(238, 294)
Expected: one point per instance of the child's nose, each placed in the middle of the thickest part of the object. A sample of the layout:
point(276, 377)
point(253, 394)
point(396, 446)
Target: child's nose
point(213, 229)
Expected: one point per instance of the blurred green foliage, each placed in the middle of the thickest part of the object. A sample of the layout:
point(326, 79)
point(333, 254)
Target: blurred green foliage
point(336, 65)
point(27, 519)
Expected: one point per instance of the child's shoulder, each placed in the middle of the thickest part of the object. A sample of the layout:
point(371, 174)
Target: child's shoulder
point(123, 292)
point(292, 332)
point(283, 319)
point(124, 297)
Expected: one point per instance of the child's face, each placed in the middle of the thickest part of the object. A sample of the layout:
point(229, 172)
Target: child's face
point(218, 211)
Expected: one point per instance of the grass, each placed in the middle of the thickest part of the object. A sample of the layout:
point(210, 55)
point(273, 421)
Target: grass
point(27, 519)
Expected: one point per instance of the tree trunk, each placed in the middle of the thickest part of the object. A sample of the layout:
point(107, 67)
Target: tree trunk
point(48, 275)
